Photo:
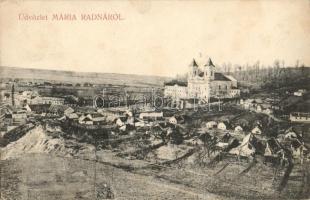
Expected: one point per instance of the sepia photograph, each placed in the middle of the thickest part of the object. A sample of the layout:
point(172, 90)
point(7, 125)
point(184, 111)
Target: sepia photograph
point(154, 99)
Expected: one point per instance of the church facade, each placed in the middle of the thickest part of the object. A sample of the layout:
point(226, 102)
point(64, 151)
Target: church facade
point(203, 82)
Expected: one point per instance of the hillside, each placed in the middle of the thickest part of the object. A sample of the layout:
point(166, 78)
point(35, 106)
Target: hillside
point(80, 77)
point(271, 78)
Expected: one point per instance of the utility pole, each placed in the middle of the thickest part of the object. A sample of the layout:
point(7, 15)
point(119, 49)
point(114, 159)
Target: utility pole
point(13, 90)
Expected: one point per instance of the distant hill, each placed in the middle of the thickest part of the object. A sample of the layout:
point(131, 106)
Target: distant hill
point(271, 78)
point(81, 77)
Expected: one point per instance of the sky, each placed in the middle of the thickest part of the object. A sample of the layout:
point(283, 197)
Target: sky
point(153, 37)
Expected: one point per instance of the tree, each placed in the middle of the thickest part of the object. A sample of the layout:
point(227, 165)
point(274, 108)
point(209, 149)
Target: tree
point(81, 101)
point(297, 64)
point(176, 137)
point(208, 143)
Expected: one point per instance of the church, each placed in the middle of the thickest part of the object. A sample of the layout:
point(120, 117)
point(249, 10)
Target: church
point(203, 82)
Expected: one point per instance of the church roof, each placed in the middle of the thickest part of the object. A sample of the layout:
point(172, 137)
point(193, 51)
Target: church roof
point(231, 78)
point(194, 63)
point(209, 62)
point(217, 76)
point(220, 77)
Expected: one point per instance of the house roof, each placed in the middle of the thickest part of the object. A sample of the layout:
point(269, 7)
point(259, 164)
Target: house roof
point(38, 107)
point(274, 145)
point(296, 143)
point(73, 116)
point(96, 115)
point(98, 119)
point(176, 82)
point(58, 108)
point(179, 117)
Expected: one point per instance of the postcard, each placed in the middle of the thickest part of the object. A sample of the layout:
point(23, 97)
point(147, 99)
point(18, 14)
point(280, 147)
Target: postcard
point(168, 99)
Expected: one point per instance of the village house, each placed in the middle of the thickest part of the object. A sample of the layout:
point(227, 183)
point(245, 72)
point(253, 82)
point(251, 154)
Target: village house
point(19, 114)
point(173, 120)
point(140, 123)
point(248, 104)
point(111, 114)
point(300, 117)
point(300, 92)
point(246, 148)
point(120, 121)
point(27, 108)
point(268, 111)
point(151, 115)
point(238, 129)
point(60, 110)
point(256, 130)
point(211, 124)
point(72, 116)
point(130, 120)
point(16, 117)
point(298, 149)
point(227, 140)
point(85, 120)
point(47, 100)
point(290, 135)
point(259, 109)
point(177, 119)
point(273, 148)
point(92, 119)
point(221, 126)
point(39, 108)
point(29, 94)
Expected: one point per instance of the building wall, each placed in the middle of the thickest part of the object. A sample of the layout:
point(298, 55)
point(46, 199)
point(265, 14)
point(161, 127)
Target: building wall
point(300, 118)
point(198, 89)
point(221, 88)
point(175, 91)
point(48, 100)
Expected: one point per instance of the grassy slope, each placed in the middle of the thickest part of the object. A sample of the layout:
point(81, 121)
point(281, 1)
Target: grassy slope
point(43, 176)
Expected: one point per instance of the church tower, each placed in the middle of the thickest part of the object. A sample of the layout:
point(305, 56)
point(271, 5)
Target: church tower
point(209, 70)
point(193, 69)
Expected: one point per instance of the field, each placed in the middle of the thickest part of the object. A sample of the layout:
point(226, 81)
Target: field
point(80, 77)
